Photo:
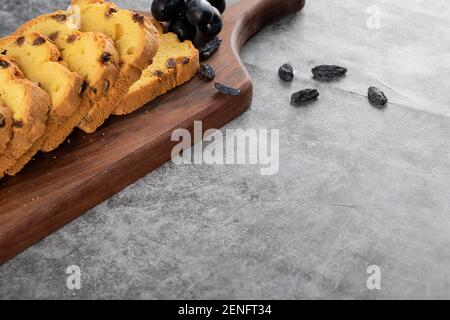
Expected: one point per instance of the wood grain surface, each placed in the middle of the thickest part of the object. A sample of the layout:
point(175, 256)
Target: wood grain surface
point(60, 186)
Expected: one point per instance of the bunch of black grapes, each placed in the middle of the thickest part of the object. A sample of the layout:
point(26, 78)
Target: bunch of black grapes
point(186, 17)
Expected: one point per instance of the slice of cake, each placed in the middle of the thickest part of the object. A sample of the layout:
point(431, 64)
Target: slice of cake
point(24, 120)
point(174, 64)
point(90, 54)
point(136, 40)
point(6, 123)
point(39, 59)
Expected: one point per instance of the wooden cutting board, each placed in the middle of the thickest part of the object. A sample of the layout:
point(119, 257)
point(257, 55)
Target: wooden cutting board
point(58, 187)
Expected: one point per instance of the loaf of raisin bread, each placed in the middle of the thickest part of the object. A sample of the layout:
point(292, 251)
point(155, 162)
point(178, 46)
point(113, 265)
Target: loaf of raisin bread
point(6, 123)
point(136, 40)
point(23, 114)
point(39, 59)
point(92, 55)
point(174, 64)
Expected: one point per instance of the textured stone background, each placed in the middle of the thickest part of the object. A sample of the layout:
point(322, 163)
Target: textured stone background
point(357, 186)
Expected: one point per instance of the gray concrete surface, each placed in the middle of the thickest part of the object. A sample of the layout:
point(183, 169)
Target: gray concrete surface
point(357, 186)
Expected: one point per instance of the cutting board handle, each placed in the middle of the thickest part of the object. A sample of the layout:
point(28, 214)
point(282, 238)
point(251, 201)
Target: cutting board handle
point(247, 17)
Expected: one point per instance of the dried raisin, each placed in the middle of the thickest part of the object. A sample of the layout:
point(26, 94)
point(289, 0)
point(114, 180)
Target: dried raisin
point(110, 12)
point(158, 73)
point(2, 121)
point(59, 17)
point(328, 72)
point(207, 71)
point(171, 63)
point(53, 36)
point(72, 38)
point(105, 57)
point(286, 72)
point(18, 123)
point(39, 41)
point(4, 64)
point(227, 90)
point(137, 17)
point(20, 41)
point(83, 87)
point(377, 97)
point(208, 49)
point(303, 96)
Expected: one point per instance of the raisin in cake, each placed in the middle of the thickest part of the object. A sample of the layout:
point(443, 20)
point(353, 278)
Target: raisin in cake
point(174, 64)
point(39, 59)
point(90, 54)
point(6, 123)
point(136, 40)
point(24, 120)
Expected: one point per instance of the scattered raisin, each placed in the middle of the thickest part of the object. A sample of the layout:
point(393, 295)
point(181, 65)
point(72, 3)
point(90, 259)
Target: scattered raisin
point(4, 64)
point(105, 57)
point(53, 36)
point(39, 41)
point(208, 49)
point(4, 52)
point(227, 90)
point(94, 90)
point(171, 63)
point(72, 38)
point(158, 73)
point(328, 72)
point(59, 17)
point(110, 12)
point(286, 72)
point(20, 41)
point(2, 121)
point(207, 71)
point(377, 97)
point(303, 96)
point(137, 17)
point(18, 123)
point(185, 60)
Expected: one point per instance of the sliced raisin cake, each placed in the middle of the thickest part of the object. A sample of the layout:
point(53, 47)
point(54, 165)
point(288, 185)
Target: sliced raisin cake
point(23, 113)
point(136, 40)
point(174, 64)
point(39, 59)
